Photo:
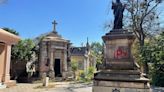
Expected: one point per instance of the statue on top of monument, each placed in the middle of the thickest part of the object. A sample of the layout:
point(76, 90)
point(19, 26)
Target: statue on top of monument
point(118, 9)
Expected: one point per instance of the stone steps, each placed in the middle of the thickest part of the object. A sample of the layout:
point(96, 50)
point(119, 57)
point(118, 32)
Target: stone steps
point(11, 83)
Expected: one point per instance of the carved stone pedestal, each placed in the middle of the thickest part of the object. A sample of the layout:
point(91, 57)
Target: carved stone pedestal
point(122, 81)
point(121, 73)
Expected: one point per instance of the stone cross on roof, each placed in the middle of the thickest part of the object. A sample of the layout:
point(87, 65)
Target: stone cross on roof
point(54, 28)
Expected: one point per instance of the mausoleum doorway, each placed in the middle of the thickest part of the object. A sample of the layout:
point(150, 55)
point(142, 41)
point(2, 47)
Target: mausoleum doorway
point(57, 68)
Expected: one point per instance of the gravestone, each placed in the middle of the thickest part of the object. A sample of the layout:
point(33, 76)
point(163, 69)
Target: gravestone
point(120, 72)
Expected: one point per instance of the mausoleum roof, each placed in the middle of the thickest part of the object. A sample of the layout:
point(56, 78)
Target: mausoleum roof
point(79, 51)
point(8, 37)
point(54, 36)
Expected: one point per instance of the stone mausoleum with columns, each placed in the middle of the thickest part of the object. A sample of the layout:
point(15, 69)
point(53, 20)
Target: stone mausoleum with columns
point(54, 56)
point(6, 41)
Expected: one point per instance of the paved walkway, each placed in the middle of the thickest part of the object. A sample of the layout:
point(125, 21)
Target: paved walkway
point(158, 89)
point(21, 87)
point(71, 87)
point(57, 87)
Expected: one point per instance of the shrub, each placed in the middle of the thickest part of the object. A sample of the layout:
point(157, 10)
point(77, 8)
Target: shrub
point(86, 76)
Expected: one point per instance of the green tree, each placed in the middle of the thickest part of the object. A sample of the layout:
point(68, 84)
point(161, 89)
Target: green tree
point(142, 18)
point(97, 51)
point(21, 53)
point(74, 66)
point(10, 30)
point(23, 50)
point(153, 52)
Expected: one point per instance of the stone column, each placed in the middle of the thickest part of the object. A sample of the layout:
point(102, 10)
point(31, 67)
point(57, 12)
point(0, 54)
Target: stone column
point(64, 72)
point(65, 60)
point(51, 58)
point(42, 59)
point(85, 64)
point(7, 63)
point(69, 57)
point(2, 60)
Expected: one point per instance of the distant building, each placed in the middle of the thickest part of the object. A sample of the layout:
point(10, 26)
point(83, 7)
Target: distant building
point(82, 55)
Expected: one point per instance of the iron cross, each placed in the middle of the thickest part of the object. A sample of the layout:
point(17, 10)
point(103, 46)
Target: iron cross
point(54, 23)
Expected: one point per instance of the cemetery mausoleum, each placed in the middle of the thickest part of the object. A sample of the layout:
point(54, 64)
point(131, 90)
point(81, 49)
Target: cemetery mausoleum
point(54, 55)
point(6, 41)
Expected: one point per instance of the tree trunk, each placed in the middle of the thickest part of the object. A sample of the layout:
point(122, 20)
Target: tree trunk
point(145, 64)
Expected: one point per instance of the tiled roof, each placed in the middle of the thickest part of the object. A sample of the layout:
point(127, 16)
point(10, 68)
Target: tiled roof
point(78, 51)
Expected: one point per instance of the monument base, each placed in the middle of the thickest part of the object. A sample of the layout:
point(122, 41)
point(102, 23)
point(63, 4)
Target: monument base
point(120, 72)
point(120, 81)
point(117, 89)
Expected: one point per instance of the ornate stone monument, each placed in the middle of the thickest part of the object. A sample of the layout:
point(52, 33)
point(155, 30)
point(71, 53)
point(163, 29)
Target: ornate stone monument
point(120, 73)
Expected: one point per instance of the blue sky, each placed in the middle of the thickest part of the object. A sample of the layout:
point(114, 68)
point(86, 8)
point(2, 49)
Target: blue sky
point(77, 19)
